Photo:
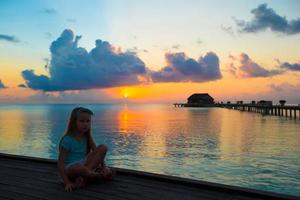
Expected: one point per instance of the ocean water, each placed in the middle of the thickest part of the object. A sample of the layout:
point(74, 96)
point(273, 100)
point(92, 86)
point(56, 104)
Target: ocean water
point(211, 144)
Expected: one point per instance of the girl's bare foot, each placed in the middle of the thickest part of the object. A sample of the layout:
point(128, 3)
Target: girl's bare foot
point(106, 173)
point(80, 182)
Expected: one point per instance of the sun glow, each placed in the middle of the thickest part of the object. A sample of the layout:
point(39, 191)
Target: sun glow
point(124, 93)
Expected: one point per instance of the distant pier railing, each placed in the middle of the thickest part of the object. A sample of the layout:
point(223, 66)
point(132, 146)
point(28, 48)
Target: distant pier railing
point(179, 104)
point(289, 111)
point(193, 105)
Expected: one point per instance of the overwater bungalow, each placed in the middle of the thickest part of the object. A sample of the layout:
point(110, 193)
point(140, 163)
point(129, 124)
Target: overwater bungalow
point(200, 100)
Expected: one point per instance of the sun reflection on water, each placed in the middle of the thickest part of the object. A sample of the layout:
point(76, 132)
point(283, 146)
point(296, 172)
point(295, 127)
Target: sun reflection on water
point(148, 127)
point(12, 125)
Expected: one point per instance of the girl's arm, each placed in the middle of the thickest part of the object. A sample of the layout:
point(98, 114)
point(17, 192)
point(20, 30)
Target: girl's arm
point(92, 143)
point(62, 171)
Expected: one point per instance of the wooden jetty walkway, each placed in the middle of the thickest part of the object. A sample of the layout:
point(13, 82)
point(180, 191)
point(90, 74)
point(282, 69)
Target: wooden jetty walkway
point(30, 178)
point(288, 111)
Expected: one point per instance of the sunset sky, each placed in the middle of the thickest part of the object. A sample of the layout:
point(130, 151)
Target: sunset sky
point(113, 51)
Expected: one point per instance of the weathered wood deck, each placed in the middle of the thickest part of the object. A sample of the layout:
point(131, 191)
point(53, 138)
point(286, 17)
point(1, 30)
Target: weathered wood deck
point(29, 178)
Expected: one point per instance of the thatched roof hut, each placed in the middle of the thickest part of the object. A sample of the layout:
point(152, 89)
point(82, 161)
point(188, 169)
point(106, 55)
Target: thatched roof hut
point(201, 99)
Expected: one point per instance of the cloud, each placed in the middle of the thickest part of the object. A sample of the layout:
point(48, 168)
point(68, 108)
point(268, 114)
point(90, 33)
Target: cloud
point(48, 35)
point(288, 66)
point(49, 11)
point(73, 68)
point(247, 68)
point(71, 20)
point(137, 50)
point(285, 87)
point(180, 68)
point(9, 38)
point(266, 18)
point(277, 88)
point(82, 96)
point(2, 85)
point(199, 42)
point(228, 30)
point(22, 86)
point(176, 46)
point(287, 91)
point(274, 92)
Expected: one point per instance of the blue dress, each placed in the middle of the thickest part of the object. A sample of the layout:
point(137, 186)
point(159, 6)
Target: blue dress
point(76, 149)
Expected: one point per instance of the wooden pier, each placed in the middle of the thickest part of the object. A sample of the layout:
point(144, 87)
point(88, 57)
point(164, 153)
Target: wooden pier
point(179, 104)
point(193, 105)
point(288, 111)
point(28, 178)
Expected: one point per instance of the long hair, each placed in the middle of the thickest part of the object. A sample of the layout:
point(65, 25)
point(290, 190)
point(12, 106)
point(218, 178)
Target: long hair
point(72, 127)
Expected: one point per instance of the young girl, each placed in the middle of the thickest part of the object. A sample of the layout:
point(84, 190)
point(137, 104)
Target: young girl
point(79, 159)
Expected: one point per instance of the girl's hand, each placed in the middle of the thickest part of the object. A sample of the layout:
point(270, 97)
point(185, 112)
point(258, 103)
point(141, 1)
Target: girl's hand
point(107, 173)
point(69, 187)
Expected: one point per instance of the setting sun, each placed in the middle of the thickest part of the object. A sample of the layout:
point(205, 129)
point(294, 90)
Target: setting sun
point(124, 93)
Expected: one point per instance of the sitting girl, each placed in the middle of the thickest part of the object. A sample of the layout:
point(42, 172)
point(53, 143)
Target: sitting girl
point(79, 159)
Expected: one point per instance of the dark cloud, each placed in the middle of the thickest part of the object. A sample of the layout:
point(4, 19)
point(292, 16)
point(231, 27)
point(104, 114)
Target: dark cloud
point(73, 68)
point(2, 85)
point(8, 38)
point(180, 68)
point(22, 86)
point(288, 66)
point(247, 68)
point(266, 18)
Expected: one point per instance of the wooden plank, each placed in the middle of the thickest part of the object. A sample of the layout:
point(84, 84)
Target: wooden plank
point(100, 190)
point(147, 191)
point(6, 194)
point(135, 189)
point(108, 188)
point(247, 192)
point(43, 166)
point(44, 191)
point(52, 187)
point(128, 177)
point(151, 187)
point(172, 188)
point(151, 193)
point(38, 177)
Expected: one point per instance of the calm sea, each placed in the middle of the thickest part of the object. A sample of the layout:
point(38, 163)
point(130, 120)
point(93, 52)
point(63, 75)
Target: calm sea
point(210, 144)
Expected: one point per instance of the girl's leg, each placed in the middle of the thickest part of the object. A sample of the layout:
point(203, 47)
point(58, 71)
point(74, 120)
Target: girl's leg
point(95, 162)
point(96, 158)
point(81, 170)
